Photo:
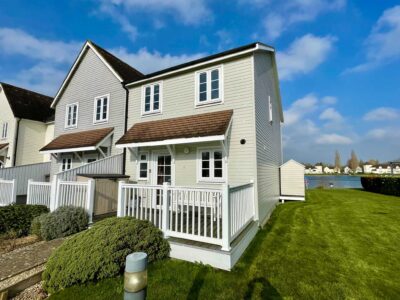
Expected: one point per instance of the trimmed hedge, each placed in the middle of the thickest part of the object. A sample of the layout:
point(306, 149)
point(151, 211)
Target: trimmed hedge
point(381, 185)
point(36, 225)
point(17, 218)
point(100, 252)
point(62, 222)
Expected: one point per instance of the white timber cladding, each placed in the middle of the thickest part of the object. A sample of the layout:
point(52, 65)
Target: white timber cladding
point(178, 100)
point(92, 78)
point(6, 115)
point(268, 135)
point(292, 179)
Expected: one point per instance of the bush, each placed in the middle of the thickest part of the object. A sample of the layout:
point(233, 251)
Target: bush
point(100, 252)
point(17, 218)
point(64, 221)
point(381, 185)
point(36, 225)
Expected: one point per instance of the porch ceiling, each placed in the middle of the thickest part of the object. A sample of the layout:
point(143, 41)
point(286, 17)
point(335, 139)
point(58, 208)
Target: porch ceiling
point(202, 127)
point(78, 141)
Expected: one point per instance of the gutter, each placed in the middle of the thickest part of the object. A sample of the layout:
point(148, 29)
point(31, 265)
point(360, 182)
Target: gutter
point(16, 142)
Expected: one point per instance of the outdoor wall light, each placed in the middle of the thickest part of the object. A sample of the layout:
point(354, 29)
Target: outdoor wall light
point(186, 150)
point(135, 276)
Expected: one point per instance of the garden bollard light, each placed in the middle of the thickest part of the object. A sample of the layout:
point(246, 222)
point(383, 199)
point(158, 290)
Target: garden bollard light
point(135, 277)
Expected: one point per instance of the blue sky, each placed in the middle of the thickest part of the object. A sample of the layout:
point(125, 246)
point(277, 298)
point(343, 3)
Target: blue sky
point(339, 61)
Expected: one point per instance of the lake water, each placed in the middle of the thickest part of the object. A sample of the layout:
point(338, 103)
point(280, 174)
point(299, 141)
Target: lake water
point(327, 181)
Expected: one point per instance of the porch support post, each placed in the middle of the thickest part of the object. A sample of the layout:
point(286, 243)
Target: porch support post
point(226, 230)
point(90, 199)
point(78, 156)
point(121, 200)
point(53, 194)
point(165, 206)
point(14, 191)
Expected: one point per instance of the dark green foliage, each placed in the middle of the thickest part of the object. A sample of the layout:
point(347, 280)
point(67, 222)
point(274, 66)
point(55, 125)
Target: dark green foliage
point(36, 225)
point(64, 221)
point(17, 218)
point(100, 252)
point(381, 185)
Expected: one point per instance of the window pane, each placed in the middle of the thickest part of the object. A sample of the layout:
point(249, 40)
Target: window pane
point(215, 94)
point(218, 164)
point(203, 77)
point(168, 160)
point(218, 173)
point(161, 160)
point(203, 97)
point(215, 75)
point(205, 155)
point(205, 164)
point(143, 157)
point(143, 174)
point(217, 155)
point(205, 173)
point(156, 89)
point(148, 90)
point(215, 85)
point(203, 87)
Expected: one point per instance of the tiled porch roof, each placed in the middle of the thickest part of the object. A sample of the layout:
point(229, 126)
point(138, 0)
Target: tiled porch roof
point(83, 139)
point(2, 146)
point(194, 126)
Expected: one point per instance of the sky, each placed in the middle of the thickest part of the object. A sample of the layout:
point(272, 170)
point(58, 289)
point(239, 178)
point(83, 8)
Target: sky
point(338, 60)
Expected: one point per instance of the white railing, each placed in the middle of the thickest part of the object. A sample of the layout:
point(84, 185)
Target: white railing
point(241, 208)
point(73, 193)
point(215, 216)
point(109, 165)
point(8, 192)
point(22, 174)
point(38, 193)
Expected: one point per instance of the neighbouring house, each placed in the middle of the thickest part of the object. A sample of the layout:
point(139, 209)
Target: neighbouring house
point(358, 170)
point(328, 170)
point(368, 169)
point(203, 127)
point(347, 170)
point(26, 124)
point(317, 170)
point(90, 109)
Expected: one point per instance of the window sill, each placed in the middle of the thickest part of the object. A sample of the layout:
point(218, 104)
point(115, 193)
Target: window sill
point(149, 114)
point(208, 103)
point(100, 122)
point(205, 181)
point(70, 128)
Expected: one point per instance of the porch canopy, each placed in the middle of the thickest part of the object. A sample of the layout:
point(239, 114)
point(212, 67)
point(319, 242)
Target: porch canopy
point(90, 140)
point(206, 127)
point(3, 147)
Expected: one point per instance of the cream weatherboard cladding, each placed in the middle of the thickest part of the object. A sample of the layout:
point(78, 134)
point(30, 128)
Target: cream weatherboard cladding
point(6, 115)
point(269, 153)
point(91, 79)
point(179, 100)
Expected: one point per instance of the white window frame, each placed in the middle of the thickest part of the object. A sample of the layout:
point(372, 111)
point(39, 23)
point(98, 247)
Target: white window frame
point(101, 121)
point(62, 162)
point(152, 111)
point(4, 131)
point(270, 110)
point(211, 179)
point(209, 101)
point(139, 161)
point(66, 126)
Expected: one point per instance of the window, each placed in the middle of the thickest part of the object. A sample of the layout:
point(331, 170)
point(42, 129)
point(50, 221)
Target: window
point(101, 105)
point(71, 118)
point(143, 165)
point(152, 97)
point(66, 163)
point(211, 166)
point(270, 109)
point(4, 131)
point(209, 86)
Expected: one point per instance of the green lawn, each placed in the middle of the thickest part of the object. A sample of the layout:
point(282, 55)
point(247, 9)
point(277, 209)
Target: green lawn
point(339, 244)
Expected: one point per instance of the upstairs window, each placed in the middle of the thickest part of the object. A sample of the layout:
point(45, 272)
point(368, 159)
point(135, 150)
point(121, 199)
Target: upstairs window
point(66, 163)
point(101, 107)
point(211, 166)
point(152, 99)
point(143, 166)
point(4, 131)
point(209, 86)
point(71, 117)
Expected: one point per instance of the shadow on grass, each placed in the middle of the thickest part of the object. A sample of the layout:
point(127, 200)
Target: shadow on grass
point(197, 284)
point(267, 290)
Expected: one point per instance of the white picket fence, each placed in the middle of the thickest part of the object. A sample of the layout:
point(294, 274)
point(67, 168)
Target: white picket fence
point(215, 216)
point(39, 193)
point(8, 192)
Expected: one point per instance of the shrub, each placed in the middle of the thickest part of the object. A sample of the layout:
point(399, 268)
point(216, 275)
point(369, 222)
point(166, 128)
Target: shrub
point(36, 225)
point(381, 185)
point(64, 221)
point(100, 252)
point(17, 218)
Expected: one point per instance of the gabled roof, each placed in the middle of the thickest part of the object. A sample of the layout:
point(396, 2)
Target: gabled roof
point(121, 70)
point(194, 126)
point(28, 105)
point(78, 141)
point(293, 161)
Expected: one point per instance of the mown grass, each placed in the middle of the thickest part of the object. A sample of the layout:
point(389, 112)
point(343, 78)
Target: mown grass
point(339, 244)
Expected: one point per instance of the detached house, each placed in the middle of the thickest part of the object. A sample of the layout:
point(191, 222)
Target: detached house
point(26, 124)
point(90, 109)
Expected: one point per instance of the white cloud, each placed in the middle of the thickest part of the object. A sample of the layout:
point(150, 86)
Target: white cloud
point(383, 44)
point(329, 100)
point(334, 139)
point(147, 61)
point(304, 55)
point(382, 114)
point(331, 115)
point(283, 15)
point(18, 42)
point(385, 133)
point(188, 12)
point(300, 108)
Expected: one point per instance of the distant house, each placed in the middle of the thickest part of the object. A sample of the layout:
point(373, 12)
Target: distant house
point(26, 124)
point(328, 170)
point(368, 169)
point(358, 170)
